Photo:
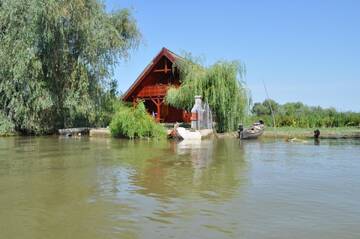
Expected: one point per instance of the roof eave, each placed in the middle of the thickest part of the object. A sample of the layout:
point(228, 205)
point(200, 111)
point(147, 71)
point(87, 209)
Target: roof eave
point(164, 52)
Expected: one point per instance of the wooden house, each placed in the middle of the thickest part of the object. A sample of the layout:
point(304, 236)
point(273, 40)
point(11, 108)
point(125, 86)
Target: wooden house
point(152, 85)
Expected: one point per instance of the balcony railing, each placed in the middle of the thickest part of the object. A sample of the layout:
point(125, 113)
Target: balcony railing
point(154, 90)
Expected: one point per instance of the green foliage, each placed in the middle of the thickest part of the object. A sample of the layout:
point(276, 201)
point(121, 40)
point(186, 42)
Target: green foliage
point(135, 122)
point(6, 126)
point(299, 115)
point(265, 107)
point(220, 85)
point(56, 61)
point(108, 104)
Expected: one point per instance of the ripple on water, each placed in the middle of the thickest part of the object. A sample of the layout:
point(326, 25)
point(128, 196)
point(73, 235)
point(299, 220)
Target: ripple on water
point(107, 188)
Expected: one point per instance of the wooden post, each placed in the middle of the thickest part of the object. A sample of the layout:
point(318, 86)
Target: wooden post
point(165, 66)
point(158, 102)
point(158, 106)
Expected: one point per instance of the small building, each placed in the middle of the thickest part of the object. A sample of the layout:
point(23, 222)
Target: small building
point(152, 85)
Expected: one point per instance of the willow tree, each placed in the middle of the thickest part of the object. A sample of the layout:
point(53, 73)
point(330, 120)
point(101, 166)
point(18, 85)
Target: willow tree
point(220, 85)
point(57, 59)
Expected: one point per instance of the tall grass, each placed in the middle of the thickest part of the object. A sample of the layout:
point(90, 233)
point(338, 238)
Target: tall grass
point(303, 116)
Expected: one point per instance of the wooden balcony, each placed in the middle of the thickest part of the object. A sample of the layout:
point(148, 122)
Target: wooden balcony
point(153, 91)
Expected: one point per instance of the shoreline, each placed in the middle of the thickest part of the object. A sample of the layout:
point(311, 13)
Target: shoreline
point(325, 133)
point(282, 132)
point(303, 133)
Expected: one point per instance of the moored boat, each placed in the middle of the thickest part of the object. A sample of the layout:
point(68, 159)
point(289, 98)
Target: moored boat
point(255, 131)
point(182, 133)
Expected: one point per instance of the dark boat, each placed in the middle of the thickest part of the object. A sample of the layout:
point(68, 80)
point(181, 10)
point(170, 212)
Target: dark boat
point(255, 131)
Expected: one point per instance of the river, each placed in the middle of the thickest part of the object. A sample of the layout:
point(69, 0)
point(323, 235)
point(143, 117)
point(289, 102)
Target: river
point(54, 187)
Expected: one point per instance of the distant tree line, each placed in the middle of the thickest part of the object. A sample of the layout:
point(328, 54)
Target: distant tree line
point(300, 115)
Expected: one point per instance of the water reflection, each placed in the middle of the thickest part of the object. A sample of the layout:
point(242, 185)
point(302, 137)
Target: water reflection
point(201, 155)
point(105, 188)
point(316, 141)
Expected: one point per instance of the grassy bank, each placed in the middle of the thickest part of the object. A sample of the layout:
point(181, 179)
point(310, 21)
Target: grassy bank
point(326, 133)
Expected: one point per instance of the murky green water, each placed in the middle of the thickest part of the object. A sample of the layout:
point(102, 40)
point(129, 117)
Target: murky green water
point(105, 188)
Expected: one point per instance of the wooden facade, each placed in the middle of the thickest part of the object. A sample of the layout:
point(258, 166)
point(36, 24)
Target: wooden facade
point(152, 85)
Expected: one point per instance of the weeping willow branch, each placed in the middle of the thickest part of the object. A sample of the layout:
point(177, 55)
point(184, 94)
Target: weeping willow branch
point(221, 85)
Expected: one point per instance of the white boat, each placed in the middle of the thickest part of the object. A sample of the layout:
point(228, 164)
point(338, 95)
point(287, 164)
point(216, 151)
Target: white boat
point(190, 134)
point(182, 133)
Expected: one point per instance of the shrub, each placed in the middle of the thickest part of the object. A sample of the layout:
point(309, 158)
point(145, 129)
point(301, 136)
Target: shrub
point(135, 122)
point(6, 126)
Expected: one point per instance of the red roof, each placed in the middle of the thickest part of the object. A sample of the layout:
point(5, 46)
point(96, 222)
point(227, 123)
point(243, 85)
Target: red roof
point(164, 52)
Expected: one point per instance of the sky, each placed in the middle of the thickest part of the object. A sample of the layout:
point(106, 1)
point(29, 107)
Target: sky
point(306, 51)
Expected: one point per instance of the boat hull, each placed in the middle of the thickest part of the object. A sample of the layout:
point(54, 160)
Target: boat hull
point(252, 133)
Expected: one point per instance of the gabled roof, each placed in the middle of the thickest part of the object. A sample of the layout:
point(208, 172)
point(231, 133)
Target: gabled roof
point(164, 52)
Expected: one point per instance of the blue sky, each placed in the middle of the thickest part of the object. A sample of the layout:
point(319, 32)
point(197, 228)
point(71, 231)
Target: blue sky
point(305, 51)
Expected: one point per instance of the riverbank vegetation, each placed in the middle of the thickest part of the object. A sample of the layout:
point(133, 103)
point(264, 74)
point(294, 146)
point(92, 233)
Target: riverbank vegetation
point(135, 122)
point(325, 133)
point(220, 85)
point(302, 116)
point(56, 63)
point(7, 128)
point(56, 71)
